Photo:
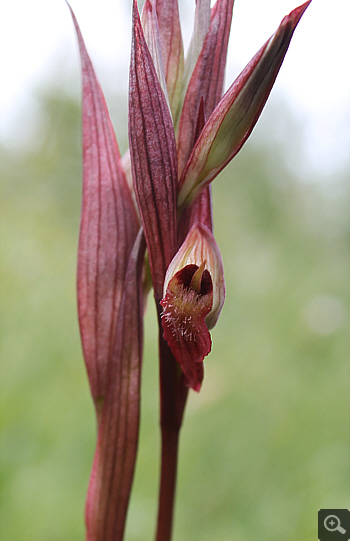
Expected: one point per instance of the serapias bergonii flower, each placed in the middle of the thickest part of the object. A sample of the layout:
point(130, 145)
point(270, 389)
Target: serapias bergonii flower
point(194, 293)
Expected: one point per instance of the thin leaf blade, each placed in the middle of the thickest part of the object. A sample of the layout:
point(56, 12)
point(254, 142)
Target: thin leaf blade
point(108, 228)
point(115, 455)
point(235, 116)
point(172, 48)
point(207, 79)
point(153, 157)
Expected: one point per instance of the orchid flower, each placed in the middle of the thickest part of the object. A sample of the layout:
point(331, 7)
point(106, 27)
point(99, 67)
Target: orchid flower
point(193, 295)
point(182, 132)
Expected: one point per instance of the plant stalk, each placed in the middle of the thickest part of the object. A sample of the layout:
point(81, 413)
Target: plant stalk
point(173, 395)
point(170, 441)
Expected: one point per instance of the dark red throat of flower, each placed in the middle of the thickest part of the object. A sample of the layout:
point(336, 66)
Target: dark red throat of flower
point(187, 302)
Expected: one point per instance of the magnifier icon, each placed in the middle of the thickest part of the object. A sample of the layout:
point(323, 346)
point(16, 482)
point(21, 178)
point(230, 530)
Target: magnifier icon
point(332, 524)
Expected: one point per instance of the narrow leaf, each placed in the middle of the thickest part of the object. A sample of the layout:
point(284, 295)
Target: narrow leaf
point(207, 79)
point(200, 30)
point(114, 461)
point(153, 157)
point(172, 48)
point(108, 228)
point(235, 116)
point(151, 32)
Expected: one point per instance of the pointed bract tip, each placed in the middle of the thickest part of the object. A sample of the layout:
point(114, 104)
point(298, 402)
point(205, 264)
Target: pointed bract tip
point(135, 10)
point(298, 12)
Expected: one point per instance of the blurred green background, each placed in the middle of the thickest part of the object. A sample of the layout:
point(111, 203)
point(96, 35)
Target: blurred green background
point(266, 442)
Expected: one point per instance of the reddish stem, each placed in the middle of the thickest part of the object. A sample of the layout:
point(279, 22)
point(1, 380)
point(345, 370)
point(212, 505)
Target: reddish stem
point(173, 395)
point(170, 440)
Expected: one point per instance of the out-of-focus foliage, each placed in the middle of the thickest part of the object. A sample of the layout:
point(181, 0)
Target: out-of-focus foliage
point(266, 442)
